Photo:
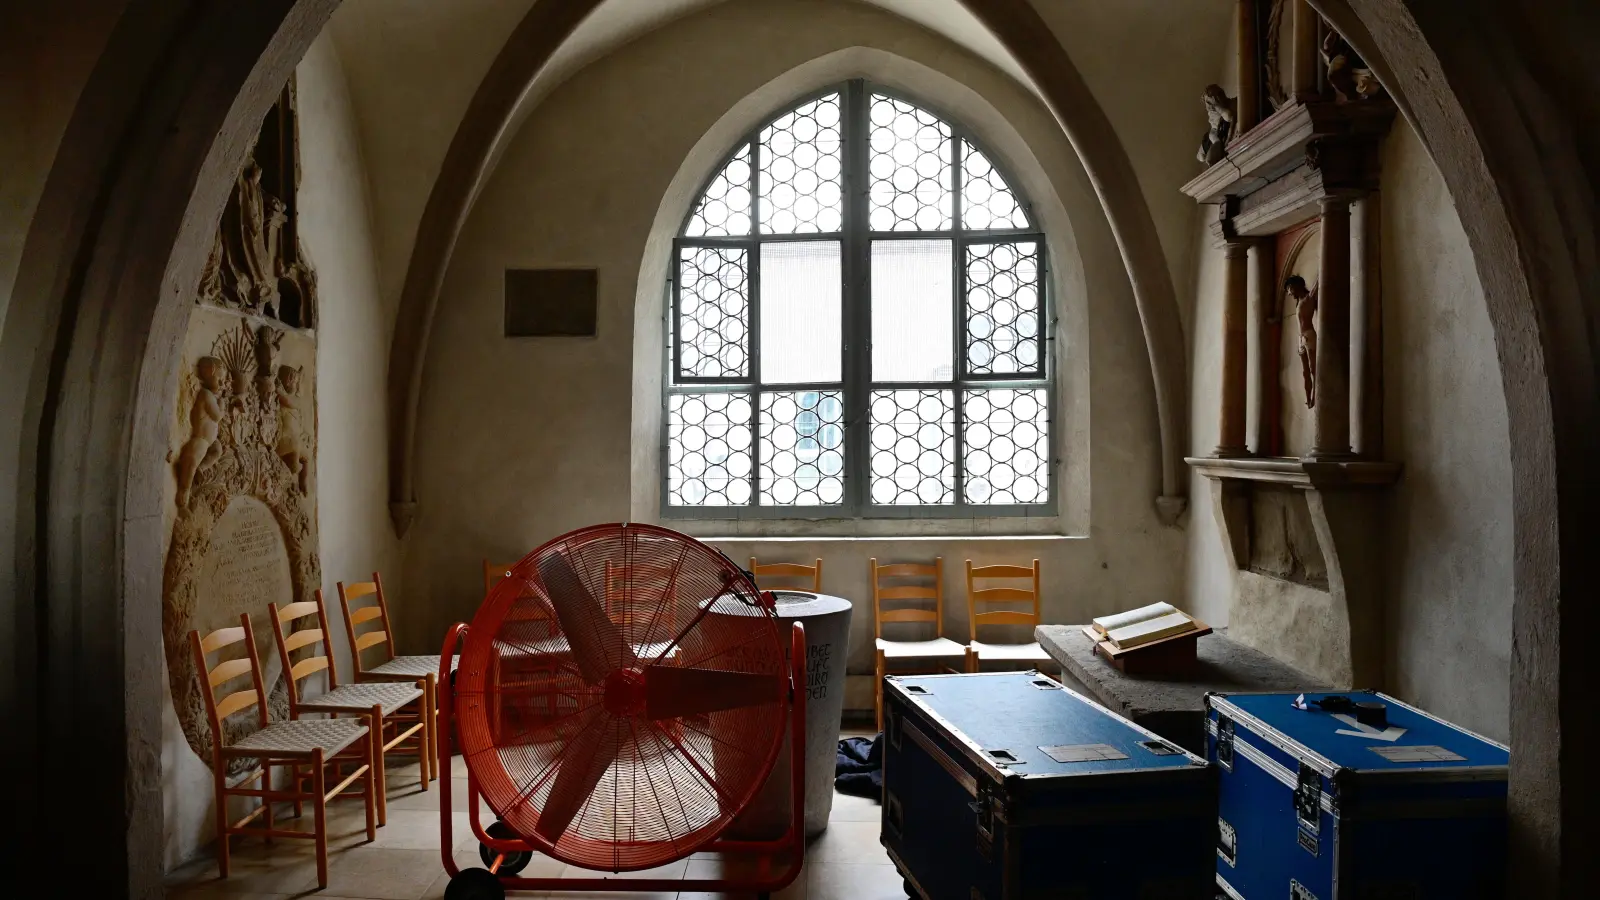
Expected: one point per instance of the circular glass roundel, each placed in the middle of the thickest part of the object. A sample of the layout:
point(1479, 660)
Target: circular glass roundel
point(622, 695)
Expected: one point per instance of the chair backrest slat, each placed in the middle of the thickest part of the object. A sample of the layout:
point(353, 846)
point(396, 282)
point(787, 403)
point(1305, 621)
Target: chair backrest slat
point(492, 573)
point(788, 570)
point(300, 639)
point(222, 637)
point(907, 615)
point(931, 589)
point(364, 614)
point(236, 701)
point(309, 666)
point(299, 610)
point(228, 670)
point(977, 595)
point(360, 641)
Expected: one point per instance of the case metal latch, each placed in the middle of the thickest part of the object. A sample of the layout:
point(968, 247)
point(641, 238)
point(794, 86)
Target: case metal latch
point(1308, 807)
point(1225, 743)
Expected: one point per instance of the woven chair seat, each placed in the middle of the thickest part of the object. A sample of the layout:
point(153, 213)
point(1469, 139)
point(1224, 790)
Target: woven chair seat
point(328, 735)
point(362, 697)
point(407, 668)
point(1010, 652)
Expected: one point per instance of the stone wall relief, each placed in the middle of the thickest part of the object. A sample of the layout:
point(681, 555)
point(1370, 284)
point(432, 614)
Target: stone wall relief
point(243, 446)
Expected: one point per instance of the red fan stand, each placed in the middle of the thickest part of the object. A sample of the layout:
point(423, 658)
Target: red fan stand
point(635, 652)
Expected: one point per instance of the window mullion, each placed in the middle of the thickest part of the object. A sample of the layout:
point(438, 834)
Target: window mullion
point(857, 297)
point(753, 260)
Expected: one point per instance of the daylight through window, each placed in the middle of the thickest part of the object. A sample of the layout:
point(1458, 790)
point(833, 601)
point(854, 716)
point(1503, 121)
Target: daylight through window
point(858, 325)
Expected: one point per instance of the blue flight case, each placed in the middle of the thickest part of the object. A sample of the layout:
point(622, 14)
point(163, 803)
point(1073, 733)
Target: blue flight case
point(1358, 797)
point(1005, 785)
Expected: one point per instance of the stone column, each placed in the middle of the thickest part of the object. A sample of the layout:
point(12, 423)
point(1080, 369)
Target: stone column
point(1264, 295)
point(1303, 75)
point(1235, 350)
point(1244, 23)
point(1331, 438)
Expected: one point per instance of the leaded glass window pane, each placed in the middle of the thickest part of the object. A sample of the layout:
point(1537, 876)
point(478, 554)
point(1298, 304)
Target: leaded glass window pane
point(801, 163)
point(913, 447)
point(1002, 308)
point(713, 326)
point(708, 456)
point(910, 168)
point(1006, 446)
point(987, 202)
point(802, 448)
point(724, 209)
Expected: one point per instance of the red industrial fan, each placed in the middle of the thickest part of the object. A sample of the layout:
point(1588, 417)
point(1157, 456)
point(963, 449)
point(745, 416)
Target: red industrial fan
point(621, 696)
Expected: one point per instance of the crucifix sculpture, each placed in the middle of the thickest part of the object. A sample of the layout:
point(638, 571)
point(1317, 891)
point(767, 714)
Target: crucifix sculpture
point(1306, 312)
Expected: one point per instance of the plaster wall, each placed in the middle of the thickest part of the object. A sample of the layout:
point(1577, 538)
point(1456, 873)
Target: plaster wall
point(519, 440)
point(1447, 584)
point(352, 347)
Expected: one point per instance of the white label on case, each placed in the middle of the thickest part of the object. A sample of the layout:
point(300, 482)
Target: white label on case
point(1417, 753)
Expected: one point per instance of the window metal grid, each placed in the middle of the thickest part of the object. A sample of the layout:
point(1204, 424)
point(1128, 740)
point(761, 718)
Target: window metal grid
point(980, 442)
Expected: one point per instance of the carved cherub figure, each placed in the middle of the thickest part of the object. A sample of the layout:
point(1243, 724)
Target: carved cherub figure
point(201, 449)
point(288, 447)
point(1305, 311)
point(269, 341)
point(1221, 112)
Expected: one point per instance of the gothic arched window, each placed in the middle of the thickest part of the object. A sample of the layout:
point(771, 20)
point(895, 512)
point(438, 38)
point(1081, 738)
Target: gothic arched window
point(859, 325)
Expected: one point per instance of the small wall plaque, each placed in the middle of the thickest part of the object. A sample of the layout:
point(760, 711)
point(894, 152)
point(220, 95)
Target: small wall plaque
point(551, 302)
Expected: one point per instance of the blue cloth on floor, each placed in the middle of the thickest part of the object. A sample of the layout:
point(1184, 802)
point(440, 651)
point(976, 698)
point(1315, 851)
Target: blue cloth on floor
point(859, 767)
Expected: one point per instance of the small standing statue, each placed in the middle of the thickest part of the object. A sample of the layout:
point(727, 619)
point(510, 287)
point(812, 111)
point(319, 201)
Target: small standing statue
point(288, 447)
point(201, 449)
point(1221, 113)
point(269, 341)
point(1306, 311)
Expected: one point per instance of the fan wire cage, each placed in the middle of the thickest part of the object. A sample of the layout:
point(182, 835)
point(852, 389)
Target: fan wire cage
point(622, 695)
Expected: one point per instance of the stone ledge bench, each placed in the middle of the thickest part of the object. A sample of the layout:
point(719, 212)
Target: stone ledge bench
point(1173, 707)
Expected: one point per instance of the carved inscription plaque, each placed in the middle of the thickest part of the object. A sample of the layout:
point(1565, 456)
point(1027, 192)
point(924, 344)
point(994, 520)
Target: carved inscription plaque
point(246, 568)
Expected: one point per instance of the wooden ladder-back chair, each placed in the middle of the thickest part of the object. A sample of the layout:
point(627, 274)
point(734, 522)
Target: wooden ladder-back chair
point(422, 671)
point(306, 748)
point(385, 704)
point(980, 652)
point(788, 571)
point(930, 586)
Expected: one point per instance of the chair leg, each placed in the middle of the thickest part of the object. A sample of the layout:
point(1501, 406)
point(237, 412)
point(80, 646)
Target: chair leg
point(220, 773)
point(266, 784)
point(370, 792)
point(299, 779)
point(877, 689)
point(430, 719)
point(379, 777)
point(319, 808)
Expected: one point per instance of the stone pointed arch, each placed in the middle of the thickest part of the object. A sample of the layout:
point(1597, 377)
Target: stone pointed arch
point(1017, 25)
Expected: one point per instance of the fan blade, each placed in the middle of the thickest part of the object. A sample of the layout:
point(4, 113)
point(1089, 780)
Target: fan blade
point(673, 691)
point(597, 644)
point(586, 760)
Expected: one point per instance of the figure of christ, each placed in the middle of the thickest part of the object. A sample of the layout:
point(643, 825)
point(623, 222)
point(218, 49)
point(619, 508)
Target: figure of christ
point(201, 449)
point(1306, 312)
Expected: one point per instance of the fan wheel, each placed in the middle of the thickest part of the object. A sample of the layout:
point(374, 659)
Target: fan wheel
point(622, 696)
point(475, 884)
point(512, 863)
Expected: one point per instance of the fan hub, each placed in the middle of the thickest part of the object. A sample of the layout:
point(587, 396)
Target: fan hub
point(625, 692)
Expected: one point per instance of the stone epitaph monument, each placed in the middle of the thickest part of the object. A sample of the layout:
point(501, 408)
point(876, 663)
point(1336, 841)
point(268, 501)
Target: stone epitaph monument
point(243, 524)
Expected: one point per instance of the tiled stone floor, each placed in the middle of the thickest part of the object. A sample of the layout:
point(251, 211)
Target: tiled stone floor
point(846, 862)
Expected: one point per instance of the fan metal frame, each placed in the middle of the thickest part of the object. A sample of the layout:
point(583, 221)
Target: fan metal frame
point(767, 876)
